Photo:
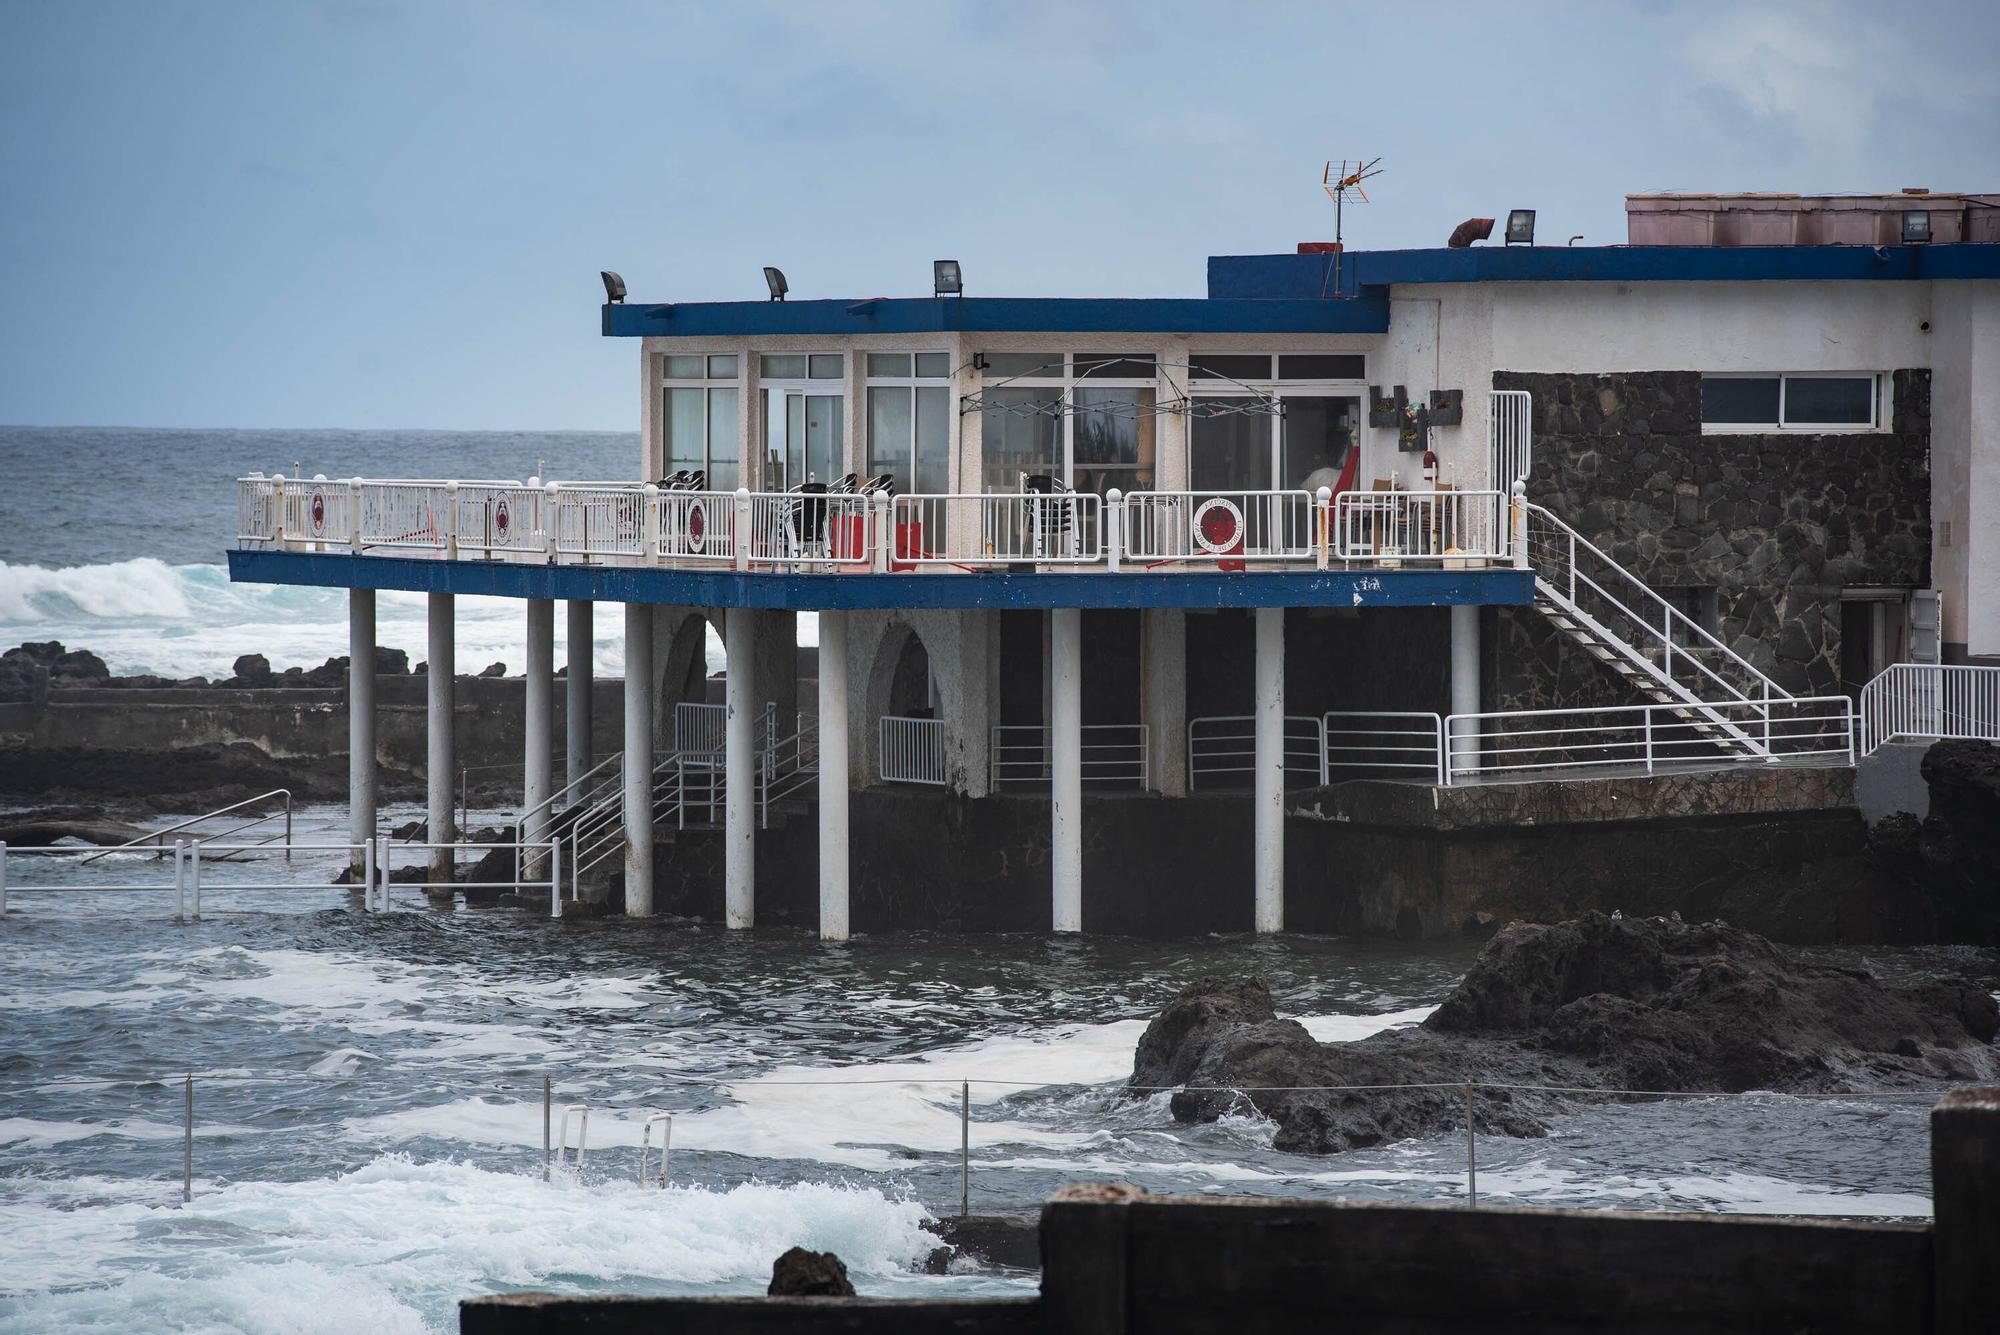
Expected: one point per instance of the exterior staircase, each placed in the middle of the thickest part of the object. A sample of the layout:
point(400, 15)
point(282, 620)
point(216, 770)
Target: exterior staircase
point(1664, 655)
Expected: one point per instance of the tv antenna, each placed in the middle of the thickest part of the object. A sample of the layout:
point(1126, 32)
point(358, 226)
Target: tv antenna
point(1350, 177)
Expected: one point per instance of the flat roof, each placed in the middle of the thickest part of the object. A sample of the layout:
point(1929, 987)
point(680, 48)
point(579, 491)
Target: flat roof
point(1496, 586)
point(1295, 294)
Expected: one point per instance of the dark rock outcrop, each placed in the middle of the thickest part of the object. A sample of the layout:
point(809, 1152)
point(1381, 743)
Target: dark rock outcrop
point(803, 1274)
point(1958, 844)
point(1595, 1004)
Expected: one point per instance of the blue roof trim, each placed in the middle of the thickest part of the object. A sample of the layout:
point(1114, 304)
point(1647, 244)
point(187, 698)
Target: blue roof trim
point(1305, 313)
point(694, 588)
point(1280, 277)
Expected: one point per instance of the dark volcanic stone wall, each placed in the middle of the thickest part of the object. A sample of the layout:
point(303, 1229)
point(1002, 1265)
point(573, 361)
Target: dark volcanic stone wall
point(1778, 524)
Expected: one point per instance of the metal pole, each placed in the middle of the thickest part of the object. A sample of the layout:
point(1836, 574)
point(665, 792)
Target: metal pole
point(180, 880)
point(439, 687)
point(539, 698)
point(545, 1128)
point(382, 873)
point(196, 876)
point(1471, 1156)
point(187, 1146)
point(367, 875)
point(555, 877)
point(3, 876)
point(288, 827)
point(964, 1148)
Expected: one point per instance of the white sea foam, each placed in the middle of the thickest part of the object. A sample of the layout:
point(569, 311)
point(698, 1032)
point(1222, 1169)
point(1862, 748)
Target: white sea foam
point(394, 1246)
point(145, 616)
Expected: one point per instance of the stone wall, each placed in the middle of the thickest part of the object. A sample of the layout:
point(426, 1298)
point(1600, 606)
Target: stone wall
point(1777, 524)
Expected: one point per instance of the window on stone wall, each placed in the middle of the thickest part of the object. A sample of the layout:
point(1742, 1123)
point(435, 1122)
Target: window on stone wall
point(1814, 401)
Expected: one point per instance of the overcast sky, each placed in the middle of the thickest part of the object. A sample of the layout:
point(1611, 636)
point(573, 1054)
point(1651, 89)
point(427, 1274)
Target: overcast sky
point(371, 213)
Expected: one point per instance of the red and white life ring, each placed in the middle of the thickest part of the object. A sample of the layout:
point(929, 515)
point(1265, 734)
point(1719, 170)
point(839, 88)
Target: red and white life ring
point(503, 517)
point(1218, 526)
point(316, 510)
point(697, 526)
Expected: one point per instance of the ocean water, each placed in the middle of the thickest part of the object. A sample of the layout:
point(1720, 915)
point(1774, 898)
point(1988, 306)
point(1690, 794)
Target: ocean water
point(112, 540)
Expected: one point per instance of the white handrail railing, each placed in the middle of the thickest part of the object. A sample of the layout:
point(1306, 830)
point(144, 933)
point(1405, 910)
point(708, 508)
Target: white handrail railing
point(1646, 737)
point(1115, 753)
point(1378, 740)
point(980, 531)
point(1235, 526)
point(1930, 700)
point(911, 750)
point(1223, 750)
point(1452, 528)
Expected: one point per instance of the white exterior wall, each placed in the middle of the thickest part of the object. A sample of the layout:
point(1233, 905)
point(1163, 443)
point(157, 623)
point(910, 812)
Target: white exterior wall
point(1965, 463)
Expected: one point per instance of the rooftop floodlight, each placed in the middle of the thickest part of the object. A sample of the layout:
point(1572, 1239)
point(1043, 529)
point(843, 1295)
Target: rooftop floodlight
point(775, 280)
point(1916, 227)
point(614, 286)
point(1521, 227)
point(946, 280)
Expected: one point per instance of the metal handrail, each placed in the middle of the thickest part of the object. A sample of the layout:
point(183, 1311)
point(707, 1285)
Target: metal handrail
point(1796, 728)
point(1930, 700)
point(1386, 747)
point(1110, 753)
point(1233, 751)
point(158, 835)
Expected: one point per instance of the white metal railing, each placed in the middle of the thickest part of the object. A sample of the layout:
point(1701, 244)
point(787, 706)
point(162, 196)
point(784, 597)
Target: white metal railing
point(1452, 528)
point(911, 750)
point(1112, 753)
point(493, 519)
point(1235, 526)
point(1645, 737)
point(696, 526)
point(404, 517)
point(1930, 700)
point(600, 521)
point(816, 531)
point(1509, 437)
point(975, 531)
point(317, 512)
point(256, 511)
point(699, 728)
point(1222, 751)
point(1361, 743)
point(1625, 615)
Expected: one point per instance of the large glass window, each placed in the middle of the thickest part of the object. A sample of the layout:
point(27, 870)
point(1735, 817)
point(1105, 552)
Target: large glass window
point(1086, 418)
point(804, 418)
point(1304, 447)
point(1228, 451)
point(1805, 402)
point(909, 419)
point(698, 417)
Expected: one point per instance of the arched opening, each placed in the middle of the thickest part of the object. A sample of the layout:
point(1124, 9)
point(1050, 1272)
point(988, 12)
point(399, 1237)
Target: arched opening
point(906, 719)
point(681, 655)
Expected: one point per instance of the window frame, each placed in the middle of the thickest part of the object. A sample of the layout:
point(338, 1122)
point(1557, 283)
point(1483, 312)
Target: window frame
point(706, 384)
point(912, 383)
point(1878, 414)
point(1206, 387)
point(1067, 381)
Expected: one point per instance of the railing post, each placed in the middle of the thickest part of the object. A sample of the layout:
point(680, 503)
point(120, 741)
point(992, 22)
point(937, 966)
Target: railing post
point(885, 531)
point(196, 877)
point(1323, 524)
point(187, 1142)
point(354, 515)
point(545, 1128)
point(1648, 717)
point(739, 529)
point(368, 876)
point(1471, 1156)
point(1114, 528)
point(964, 1148)
point(1519, 525)
point(382, 874)
point(451, 521)
point(3, 878)
point(288, 826)
point(650, 528)
point(555, 878)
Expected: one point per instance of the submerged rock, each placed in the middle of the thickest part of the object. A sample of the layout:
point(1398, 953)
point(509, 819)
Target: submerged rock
point(803, 1274)
point(1596, 1004)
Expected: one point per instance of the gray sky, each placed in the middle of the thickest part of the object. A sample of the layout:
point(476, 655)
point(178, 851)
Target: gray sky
point(374, 213)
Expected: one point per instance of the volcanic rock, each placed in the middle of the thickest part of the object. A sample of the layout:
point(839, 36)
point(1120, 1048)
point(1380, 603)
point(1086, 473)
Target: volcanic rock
point(1563, 1013)
point(250, 670)
point(1959, 842)
point(803, 1274)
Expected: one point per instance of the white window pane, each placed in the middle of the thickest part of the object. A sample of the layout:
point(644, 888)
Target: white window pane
point(722, 420)
point(824, 366)
point(934, 365)
point(1228, 451)
point(1829, 400)
point(889, 434)
point(933, 440)
point(784, 366)
point(1003, 365)
point(1017, 438)
point(687, 366)
point(888, 364)
point(685, 435)
point(722, 366)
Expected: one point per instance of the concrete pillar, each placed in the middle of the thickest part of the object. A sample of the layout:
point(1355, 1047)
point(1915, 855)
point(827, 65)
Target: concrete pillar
point(441, 763)
point(638, 790)
point(576, 716)
point(739, 759)
point(833, 883)
point(1066, 766)
point(538, 731)
point(360, 723)
point(1269, 769)
point(1465, 685)
point(1163, 691)
point(1965, 1195)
